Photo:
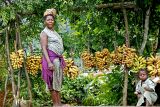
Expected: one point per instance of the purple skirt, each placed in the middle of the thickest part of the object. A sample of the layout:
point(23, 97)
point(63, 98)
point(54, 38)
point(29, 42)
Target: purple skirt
point(47, 75)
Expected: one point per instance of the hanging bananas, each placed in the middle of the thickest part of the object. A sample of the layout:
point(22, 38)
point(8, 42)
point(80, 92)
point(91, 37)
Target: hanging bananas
point(117, 55)
point(153, 65)
point(123, 55)
point(138, 63)
point(33, 64)
point(88, 59)
point(17, 59)
point(71, 70)
point(103, 59)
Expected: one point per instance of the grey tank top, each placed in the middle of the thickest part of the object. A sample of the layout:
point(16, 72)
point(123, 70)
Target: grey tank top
point(55, 42)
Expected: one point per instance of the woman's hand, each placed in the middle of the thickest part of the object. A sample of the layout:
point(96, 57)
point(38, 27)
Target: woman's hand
point(50, 66)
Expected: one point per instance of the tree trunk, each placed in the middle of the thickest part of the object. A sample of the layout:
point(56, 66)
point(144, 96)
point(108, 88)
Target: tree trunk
point(146, 28)
point(24, 64)
point(17, 44)
point(9, 64)
point(155, 46)
point(6, 91)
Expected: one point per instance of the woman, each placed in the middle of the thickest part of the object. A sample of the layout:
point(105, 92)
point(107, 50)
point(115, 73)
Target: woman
point(52, 61)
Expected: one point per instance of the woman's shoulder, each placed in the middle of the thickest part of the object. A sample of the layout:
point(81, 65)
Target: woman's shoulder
point(43, 33)
point(55, 32)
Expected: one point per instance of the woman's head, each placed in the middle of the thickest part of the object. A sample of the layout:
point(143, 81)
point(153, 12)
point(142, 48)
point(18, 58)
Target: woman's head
point(49, 16)
point(143, 74)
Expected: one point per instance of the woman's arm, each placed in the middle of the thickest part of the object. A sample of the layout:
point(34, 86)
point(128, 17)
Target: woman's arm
point(44, 44)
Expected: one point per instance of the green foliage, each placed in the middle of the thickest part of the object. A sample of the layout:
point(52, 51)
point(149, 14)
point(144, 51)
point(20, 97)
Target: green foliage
point(73, 90)
point(107, 90)
point(41, 96)
point(101, 90)
point(82, 26)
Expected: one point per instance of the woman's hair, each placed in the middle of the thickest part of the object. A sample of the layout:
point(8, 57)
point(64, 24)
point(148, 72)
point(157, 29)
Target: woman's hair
point(44, 17)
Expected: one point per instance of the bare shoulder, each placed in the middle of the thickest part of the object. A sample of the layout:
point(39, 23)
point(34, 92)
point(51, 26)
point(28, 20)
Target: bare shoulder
point(43, 34)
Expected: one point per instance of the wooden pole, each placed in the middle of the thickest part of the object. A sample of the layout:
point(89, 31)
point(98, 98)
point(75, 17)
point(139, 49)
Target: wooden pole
point(128, 45)
point(126, 28)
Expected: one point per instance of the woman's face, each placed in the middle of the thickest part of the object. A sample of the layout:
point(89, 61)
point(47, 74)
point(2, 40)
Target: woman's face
point(49, 22)
point(142, 75)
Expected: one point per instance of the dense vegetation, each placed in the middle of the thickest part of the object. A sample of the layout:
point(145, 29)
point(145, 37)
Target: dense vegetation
point(90, 25)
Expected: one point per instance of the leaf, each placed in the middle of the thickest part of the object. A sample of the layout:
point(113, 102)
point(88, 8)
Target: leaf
point(158, 8)
point(12, 14)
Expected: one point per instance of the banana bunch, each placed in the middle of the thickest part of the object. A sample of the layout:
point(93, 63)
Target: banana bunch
point(88, 59)
point(103, 59)
point(17, 59)
point(128, 56)
point(117, 55)
point(33, 64)
point(71, 70)
point(138, 63)
point(123, 55)
point(153, 65)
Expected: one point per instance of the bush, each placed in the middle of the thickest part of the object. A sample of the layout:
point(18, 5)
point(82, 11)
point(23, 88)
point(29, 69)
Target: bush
point(73, 90)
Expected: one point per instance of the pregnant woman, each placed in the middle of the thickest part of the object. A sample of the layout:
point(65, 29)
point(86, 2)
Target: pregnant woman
point(52, 61)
